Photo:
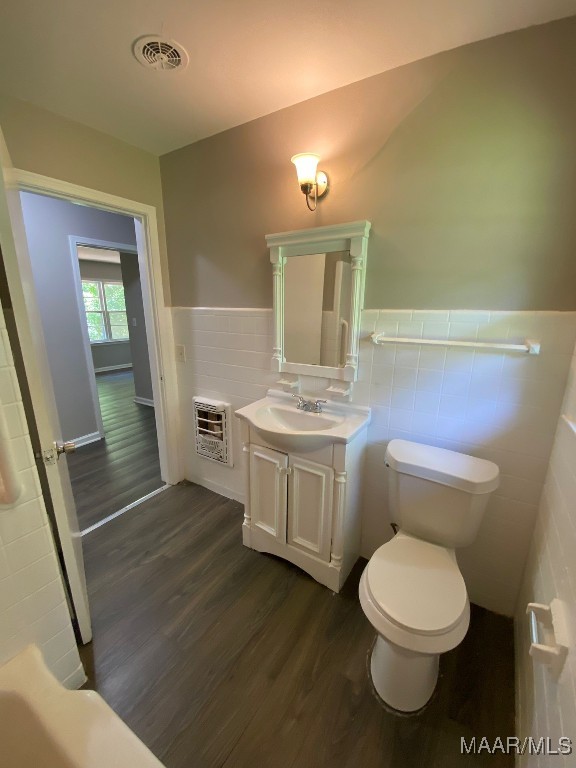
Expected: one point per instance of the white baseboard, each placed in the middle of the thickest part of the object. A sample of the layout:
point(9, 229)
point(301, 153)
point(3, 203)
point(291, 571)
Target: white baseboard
point(86, 439)
point(113, 368)
point(217, 488)
point(144, 401)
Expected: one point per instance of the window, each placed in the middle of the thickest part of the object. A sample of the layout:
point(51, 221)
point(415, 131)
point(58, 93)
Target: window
point(105, 310)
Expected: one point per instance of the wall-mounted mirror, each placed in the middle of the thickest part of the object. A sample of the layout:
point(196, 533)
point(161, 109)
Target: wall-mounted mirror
point(319, 277)
point(317, 294)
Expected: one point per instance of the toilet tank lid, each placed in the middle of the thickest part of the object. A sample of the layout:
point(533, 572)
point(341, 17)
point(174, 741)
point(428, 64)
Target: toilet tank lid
point(457, 470)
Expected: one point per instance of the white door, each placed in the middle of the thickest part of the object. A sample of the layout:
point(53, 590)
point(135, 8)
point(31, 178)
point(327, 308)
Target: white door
point(268, 487)
point(20, 284)
point(310, 507)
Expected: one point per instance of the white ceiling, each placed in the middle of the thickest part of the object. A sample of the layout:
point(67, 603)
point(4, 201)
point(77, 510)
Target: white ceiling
point(247, 57)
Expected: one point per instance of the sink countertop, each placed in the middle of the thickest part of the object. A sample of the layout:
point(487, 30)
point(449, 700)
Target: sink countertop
point(337, 423)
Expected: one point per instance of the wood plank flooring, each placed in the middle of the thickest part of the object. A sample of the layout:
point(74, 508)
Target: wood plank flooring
point(219, 656)
point(112, 473)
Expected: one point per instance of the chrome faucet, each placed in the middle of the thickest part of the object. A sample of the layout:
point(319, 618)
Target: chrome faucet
point(310, 406)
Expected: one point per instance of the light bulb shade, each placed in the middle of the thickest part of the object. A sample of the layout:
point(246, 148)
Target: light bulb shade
point(306, 164)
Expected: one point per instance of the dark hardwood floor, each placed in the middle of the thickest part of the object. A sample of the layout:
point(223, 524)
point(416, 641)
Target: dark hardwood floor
point(216, 655)
point(112, 473)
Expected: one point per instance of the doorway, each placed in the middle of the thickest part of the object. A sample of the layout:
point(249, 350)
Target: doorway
point(114, 472)
point(86, 277)
point(38, 375)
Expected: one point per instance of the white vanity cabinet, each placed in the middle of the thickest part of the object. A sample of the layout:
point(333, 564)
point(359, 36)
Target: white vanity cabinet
point(305, 506)
point(291, 500)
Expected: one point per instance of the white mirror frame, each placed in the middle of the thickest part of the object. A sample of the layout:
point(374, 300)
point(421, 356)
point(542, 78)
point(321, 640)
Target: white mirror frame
point(352, 237)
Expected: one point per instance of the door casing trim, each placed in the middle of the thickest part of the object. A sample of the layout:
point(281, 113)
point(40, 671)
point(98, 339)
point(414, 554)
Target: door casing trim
point(158, 315)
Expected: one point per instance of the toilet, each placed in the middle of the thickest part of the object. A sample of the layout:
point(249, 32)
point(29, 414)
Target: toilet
point(412, 590)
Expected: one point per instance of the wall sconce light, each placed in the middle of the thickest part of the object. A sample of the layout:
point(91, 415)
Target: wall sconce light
point(313, 183)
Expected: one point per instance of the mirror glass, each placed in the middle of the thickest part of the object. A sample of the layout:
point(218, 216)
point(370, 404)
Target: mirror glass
point(317, 300)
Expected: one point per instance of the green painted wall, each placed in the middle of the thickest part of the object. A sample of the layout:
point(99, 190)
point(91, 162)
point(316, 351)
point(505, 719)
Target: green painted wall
point(465, 163)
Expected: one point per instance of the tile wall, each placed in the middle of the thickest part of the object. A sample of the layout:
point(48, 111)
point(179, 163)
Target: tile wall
point(227, 358)
point(546, 706)
point(331, 341)
point(33, 605)
point(499, 406)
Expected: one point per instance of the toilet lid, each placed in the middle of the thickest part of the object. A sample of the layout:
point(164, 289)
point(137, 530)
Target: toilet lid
point(417, 585)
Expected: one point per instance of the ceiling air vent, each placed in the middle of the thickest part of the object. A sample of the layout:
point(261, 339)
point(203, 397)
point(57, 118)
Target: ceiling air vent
point(163, 55)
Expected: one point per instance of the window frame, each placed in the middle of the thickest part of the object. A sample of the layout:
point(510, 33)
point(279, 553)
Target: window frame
point(104, 311)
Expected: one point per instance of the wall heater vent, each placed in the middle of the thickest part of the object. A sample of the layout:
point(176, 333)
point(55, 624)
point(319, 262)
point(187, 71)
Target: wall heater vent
point(212, 422)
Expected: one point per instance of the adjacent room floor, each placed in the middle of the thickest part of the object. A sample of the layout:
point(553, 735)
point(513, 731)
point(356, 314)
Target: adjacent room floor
point(216, 655)
point(112, 473)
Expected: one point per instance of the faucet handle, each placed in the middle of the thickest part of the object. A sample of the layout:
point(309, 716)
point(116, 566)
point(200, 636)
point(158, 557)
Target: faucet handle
point(318, 405)
point(317, 402)
point(300, 402)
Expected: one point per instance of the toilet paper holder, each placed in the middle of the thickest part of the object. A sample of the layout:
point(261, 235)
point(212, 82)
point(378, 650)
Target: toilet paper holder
point(549, 647)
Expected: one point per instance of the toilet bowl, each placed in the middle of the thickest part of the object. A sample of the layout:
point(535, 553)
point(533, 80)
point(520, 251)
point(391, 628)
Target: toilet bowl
point(415, 597)
point(412, 590)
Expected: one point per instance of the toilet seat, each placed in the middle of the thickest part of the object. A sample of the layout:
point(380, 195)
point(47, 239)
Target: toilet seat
point(417, 585)
point(414, 594)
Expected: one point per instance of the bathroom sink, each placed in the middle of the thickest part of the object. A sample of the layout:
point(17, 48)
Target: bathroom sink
point(281, 424)
point(287, 418)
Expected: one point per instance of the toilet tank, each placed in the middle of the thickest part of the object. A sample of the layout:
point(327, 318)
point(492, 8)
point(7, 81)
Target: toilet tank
point(438, 495)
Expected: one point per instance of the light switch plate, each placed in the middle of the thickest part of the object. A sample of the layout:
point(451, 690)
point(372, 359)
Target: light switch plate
point(180, 353)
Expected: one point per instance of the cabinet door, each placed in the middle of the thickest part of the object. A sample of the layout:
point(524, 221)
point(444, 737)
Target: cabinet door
point(268, 487)
point(310, 507)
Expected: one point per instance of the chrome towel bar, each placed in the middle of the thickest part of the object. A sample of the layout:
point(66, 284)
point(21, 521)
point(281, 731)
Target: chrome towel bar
point(530, 346)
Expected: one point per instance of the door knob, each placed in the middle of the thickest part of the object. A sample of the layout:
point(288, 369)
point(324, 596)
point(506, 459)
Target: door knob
point(67, 447)
point(52, 455)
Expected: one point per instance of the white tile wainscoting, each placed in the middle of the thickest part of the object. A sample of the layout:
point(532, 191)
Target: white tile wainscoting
point(33, 606)
point(496, 405)
point(499, 406)
point(545, 706)
point(228, 353)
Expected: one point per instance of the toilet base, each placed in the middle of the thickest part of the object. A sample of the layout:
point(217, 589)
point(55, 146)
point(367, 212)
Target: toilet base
point(405, 680)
